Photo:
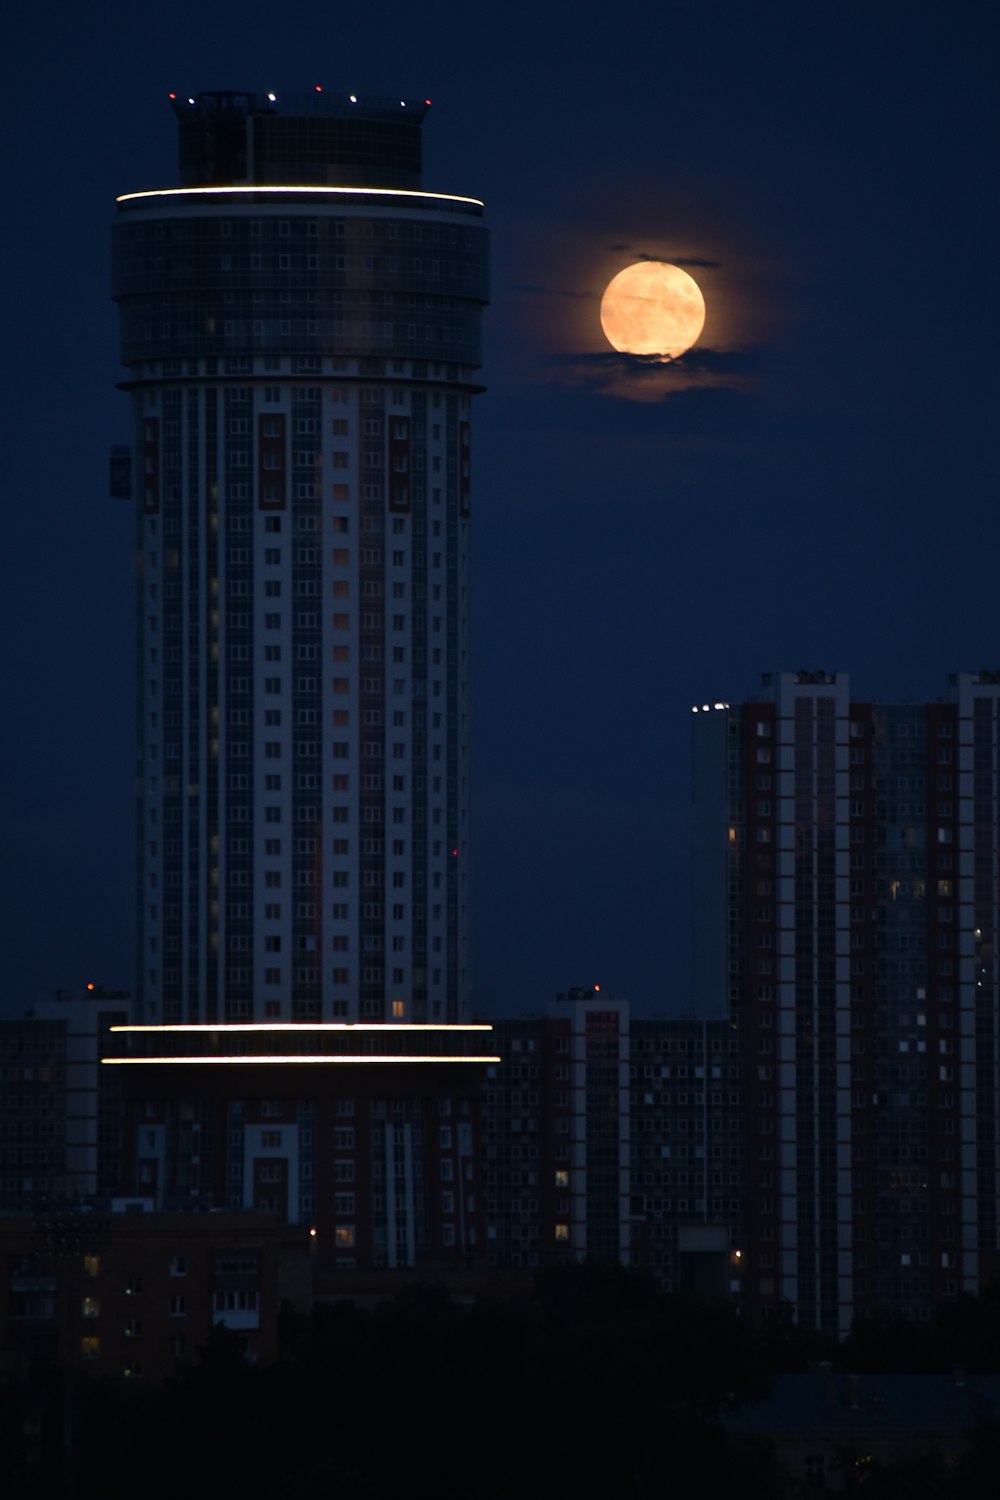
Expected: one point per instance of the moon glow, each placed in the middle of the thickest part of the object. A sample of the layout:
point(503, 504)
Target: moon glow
point(652, 308)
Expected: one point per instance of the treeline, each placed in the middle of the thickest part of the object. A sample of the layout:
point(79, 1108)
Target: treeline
point(963, 1335)
point(600, 1384)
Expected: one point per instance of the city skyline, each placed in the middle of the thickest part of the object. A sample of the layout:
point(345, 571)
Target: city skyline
point(828, 504)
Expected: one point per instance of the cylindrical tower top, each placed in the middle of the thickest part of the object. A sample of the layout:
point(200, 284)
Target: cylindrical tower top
point(300, 229)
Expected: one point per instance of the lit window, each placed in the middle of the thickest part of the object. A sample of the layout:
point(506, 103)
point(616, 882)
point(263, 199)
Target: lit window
point(562, 1233)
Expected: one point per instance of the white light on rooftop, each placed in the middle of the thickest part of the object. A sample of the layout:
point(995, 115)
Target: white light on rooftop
point(704, 708)
point(353, 98)
point(272, 97)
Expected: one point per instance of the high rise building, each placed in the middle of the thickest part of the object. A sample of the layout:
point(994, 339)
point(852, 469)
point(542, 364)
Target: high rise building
point(557, 1135)
point(60, 1111)
point(685, 1099)
point(300, 325)
point(848, 880)
point(615, 1139)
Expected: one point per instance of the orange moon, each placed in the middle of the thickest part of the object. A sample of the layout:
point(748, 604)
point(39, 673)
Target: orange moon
point(652, 308)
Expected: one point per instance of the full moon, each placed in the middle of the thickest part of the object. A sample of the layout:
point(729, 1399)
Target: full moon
point(652, 308)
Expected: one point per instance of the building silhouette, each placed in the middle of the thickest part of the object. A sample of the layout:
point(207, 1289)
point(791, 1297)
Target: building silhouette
point(300, 327)
point(847, 880)
point(616, 1138)
point(59, 1109)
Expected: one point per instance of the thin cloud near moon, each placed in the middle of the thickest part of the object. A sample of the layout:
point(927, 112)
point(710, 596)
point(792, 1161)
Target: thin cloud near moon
point(668, 260)
point(693, 260)
point(649, 378)
point(699, 360)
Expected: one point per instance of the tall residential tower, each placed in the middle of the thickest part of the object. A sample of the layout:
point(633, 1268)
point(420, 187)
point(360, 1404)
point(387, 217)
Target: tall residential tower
point(300, 324)
point(848, 859)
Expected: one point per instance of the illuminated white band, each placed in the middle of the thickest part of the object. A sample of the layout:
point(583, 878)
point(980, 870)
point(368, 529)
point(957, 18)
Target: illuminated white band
point(345, 1058)
point(303, 1026)
point(295, 187)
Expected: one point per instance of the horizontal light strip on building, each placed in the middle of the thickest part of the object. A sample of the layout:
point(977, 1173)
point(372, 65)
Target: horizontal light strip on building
point(349, 1058)
point(299, 187)
point(299, 1027)
point(299, 1041)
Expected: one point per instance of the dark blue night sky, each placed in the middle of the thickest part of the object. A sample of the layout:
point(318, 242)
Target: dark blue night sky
point(816, 485)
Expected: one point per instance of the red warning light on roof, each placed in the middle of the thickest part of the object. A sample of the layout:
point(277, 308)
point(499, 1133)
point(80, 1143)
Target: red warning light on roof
point(91, 985)
point(427, 102)
point(171, 96)
point(597, 989)
point(319, 88)
point(454, 853)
